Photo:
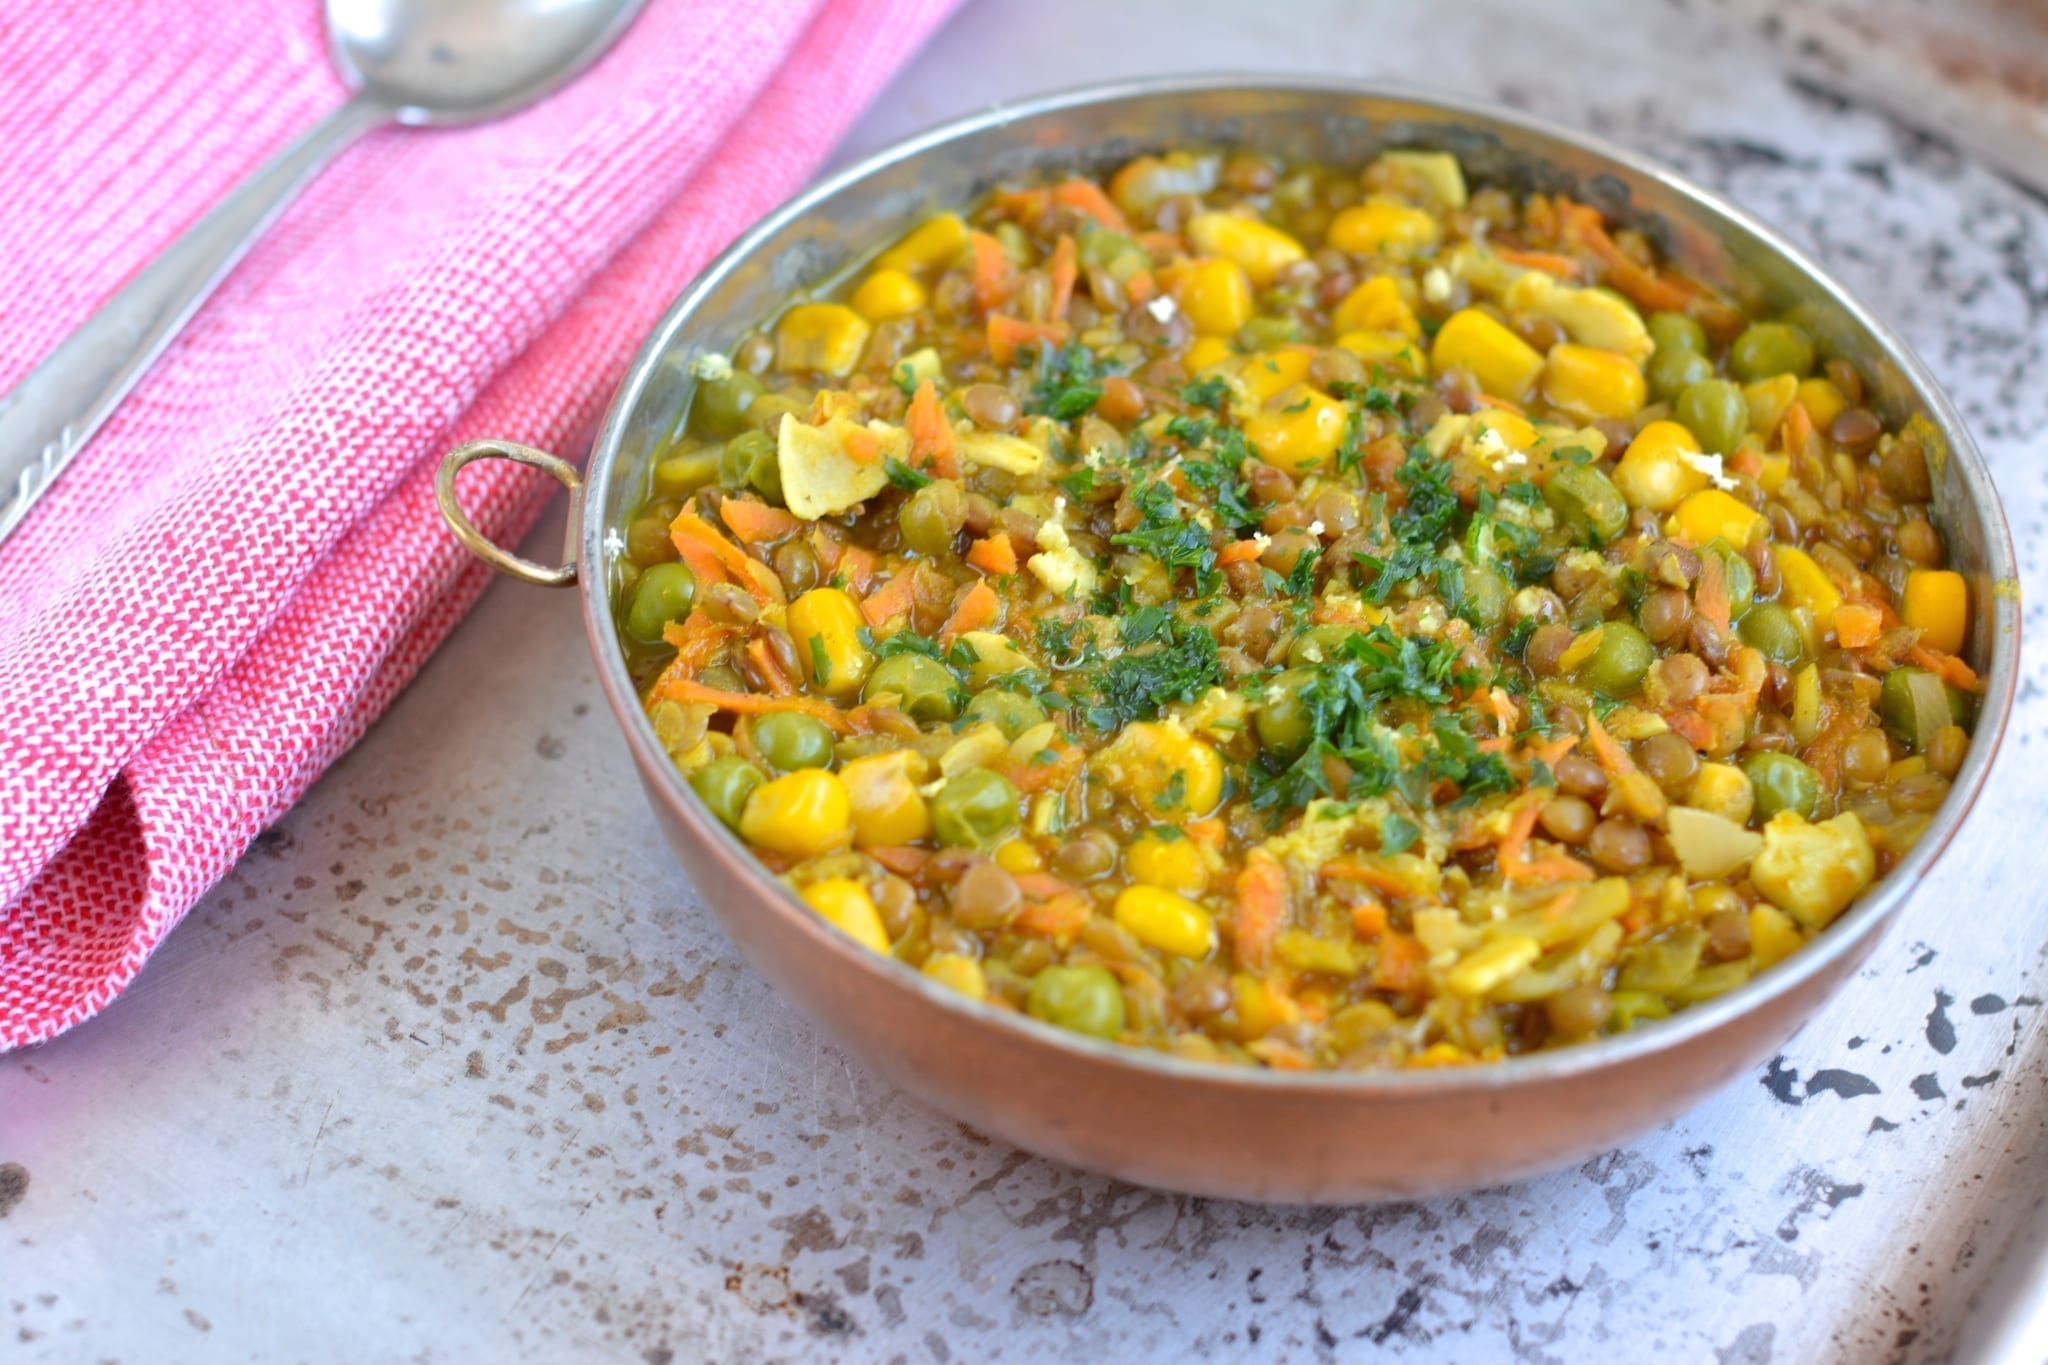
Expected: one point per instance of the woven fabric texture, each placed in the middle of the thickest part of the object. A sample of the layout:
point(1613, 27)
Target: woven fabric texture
point(245, 566)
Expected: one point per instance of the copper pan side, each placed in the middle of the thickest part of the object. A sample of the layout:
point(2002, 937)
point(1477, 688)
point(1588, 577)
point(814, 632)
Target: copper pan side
point(1240, 1133)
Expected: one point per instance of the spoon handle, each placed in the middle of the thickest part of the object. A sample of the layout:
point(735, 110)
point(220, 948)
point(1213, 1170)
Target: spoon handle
point(56, 409)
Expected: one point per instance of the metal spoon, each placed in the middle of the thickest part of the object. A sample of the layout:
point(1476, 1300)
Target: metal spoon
point(415, 62)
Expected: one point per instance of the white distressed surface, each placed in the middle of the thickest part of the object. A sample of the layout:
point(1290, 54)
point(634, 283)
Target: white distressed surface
point(453, 1068)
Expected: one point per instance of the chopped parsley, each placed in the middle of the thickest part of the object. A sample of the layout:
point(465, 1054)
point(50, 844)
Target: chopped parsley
point(1168, 534)
point(903, 476)
point(1067, 386)
point(1177, 664)
point(1209, 391)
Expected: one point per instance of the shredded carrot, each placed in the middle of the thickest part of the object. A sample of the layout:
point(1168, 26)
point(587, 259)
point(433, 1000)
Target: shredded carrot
point(754, 522)
point(1747, 461)
point(1512, 843)
point(1795, 429)
point(931, 435)
point(863, 445)
point(1551, 751)
point(976, 610)
point(1159, 244)
point(1141, 287)
point(1952, 670)
point(827, 547)
point(1710, 596)
point(893, 598)
point(772, 677)
point(857, 566)
point(1371, 874)
point(1261, 905)
point(1400, 968)
point(1087, 196)
point(1006, 334)
point(1369, 918)
point(737, 566)
point(1550, 262)
point(1238, 552)
point(700, 559)
point(1280, 1056)
point(902, 859)
point(1023, 204)
point(1612, 756)
point(1638, 281)
point(1044, 886)
point(749, 703)
point(992, 270)
point(1211, 831)
point(1066, 268)
point(1062, 917)
point(1691, 727)
point(697, 640)
point(994, 555)
point(1858, 626)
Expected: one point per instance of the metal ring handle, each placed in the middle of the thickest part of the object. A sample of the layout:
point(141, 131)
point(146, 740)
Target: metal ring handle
point(480, 545)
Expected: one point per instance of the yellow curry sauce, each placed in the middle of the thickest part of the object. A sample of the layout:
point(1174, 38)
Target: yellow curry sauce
point(1300, 615)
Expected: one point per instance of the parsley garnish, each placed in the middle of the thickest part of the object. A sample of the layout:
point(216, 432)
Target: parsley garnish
point(903, 476)
point(1209, 391)
point(1178, 664)
point(1168, 534)
point(1066, 387)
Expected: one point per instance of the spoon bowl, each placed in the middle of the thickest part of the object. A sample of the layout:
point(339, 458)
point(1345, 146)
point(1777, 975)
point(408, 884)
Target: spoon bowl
point(462, 61)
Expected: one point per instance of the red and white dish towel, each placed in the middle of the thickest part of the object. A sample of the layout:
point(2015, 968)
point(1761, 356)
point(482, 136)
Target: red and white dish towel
point(246, 565)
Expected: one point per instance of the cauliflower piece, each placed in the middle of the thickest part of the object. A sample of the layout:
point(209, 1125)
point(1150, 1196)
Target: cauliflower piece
point(1812, 871)
point(993, 448)
point(1708, 844)
point(821, 477)
point(1059, 565)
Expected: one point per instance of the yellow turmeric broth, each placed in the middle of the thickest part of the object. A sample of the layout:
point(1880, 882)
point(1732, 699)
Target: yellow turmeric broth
point(1301, 616)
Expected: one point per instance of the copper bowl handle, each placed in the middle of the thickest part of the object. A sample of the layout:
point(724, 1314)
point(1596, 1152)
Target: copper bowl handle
point(481, 545)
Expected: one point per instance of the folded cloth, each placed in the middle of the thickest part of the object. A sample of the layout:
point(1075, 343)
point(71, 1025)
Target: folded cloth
point(246, 565)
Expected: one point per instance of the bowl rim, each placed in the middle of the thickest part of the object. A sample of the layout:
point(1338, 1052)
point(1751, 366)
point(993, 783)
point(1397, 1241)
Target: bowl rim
point(1845, 938)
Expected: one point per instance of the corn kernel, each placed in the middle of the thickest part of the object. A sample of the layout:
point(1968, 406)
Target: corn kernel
point(1773, 936)
point(1391, 349)
point(960, 972)
point(1206, 352)
point(1776, 469)
point(804, 814)
point(847, 907)
point(1175, 863)
point(1589, 382)
point(1217, 297)
point(1160, 919)
point(1822, 400)
point(1488, 965)
point(1710, 513)
point(1937, 604)
point(827, 337)
point(888, 293)
point(1503, 363)
point(1017, 857)
point(1163, 770)
point(888, 808)
point(1653, 471)
point(1382, 226)
point(1725, 790)
point(1767, 400)
point(1806, 585)
point(1260, 248)
point(1438, 170)
point(1266, 373)
point(1375, 306)
point(1260, 1008)
point(1302, 436)
point(826, 626)
point(932, 245)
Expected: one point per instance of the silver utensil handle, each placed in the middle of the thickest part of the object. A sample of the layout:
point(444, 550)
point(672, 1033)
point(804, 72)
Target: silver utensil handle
point(63, 401)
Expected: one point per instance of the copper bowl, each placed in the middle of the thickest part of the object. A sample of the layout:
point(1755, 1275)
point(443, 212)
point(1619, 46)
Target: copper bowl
point(1139, 1115)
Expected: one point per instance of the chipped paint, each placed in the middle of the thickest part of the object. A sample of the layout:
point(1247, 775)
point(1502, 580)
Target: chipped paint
point(456, 1045)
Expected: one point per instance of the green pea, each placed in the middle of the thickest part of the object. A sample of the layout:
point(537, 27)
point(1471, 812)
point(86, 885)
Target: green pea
point(1737, 575)
point(1285, 721)
point(720, 407)
point(1672, 371)
point(1771, 348)
point(1587, 501)
point(1782, 783)
point(1913, 704)
point(1083, 999)
point(1773, 629)
point(790, 740)
point(750, 462)
point(648, 540)
point(1265, 334)
point(926, 686)
point(765, 413)
point(1715, 412)
point(678, 476)
point(932, 516)
point(1011, 712)
point(974, 809)
point(1482, 595)
point(1618, 663)
point(724, 784)
point(663, 594)
point(1318, 645)
point(1677, 332)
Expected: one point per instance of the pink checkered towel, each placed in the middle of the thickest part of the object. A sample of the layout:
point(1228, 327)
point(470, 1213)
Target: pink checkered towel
point(245, 566)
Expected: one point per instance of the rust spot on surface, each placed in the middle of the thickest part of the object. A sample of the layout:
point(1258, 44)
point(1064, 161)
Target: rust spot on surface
point(13, 1186)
